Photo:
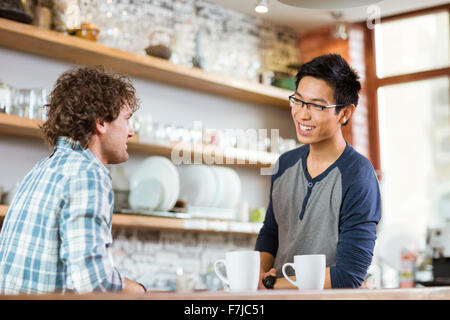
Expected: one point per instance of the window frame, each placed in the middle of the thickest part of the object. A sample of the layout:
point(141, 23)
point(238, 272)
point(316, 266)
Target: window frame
point(374, 82)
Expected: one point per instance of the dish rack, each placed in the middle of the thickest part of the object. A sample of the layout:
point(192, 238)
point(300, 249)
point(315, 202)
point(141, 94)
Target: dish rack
point(186, 213)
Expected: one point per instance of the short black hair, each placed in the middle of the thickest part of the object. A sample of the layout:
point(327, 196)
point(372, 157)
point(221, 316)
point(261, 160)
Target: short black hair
point(333, 69)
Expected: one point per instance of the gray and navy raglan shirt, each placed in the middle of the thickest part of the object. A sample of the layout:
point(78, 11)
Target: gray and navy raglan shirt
point(335, 213)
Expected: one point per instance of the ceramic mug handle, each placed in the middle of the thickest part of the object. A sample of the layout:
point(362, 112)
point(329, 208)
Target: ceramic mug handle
point(221, 276)
point(284, 273)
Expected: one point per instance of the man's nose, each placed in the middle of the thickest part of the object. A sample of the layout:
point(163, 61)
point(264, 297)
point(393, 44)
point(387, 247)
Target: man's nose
point(302, 112)
point(130, 132)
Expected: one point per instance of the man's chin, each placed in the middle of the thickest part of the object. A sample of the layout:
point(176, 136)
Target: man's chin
point(304, 140)
point(121, 159)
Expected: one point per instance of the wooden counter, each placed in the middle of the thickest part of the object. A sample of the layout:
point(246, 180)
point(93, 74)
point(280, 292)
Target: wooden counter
point(431, 293)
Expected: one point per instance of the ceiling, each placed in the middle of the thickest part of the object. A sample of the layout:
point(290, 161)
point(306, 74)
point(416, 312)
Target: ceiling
point(303, 19)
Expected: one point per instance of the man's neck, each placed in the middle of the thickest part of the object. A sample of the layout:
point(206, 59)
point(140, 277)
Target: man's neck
point(327, 151)
point(95, 147)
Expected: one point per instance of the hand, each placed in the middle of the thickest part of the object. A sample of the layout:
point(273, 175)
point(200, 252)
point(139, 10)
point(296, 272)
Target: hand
point(133, 287)
point(262, 275)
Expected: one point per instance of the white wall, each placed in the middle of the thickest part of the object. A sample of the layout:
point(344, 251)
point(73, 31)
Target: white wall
point(166, 103)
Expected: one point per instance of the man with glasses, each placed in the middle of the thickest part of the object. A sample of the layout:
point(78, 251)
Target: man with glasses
point(324, 195)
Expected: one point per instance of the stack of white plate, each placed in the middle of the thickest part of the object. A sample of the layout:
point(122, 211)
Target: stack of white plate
point(154, 185)
point(228, 189)
point(209, 186)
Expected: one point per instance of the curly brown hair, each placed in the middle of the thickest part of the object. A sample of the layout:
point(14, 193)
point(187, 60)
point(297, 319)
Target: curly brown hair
point(81, 95)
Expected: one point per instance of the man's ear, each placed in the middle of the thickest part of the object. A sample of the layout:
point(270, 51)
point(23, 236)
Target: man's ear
point(347, 114)
point(99, 126)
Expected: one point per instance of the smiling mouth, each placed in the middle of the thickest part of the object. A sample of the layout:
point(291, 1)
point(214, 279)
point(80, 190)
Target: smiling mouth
point(303, 129)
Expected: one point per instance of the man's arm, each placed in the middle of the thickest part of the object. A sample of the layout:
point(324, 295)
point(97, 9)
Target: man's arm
point(361, 211)
point(267, 241)
point(132, 287)
point(266, 263)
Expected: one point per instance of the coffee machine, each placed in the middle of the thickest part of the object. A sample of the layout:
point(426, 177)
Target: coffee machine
point(438, 242)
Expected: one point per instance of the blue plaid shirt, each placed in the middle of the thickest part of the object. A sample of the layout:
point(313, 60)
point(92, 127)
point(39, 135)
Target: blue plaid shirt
point(56, 235)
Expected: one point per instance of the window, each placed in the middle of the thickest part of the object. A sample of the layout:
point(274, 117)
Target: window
point(413, 44)
point(412, 92)
point(415, 155)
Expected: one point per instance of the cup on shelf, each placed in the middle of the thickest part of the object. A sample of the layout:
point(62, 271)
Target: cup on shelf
point(160, 134)
point(38, 100)
point(88, 31)
point(147, 128)
point(171, 132)
point(21, 102)
point(196, 132)
point(183, 135)
point(5, 97)
point(136, 124)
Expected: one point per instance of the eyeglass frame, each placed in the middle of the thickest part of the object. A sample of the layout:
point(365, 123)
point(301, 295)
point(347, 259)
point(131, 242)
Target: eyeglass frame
point(310, 103)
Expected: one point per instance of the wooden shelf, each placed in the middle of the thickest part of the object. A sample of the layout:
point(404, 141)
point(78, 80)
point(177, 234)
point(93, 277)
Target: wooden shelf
point(24, 127)
point(173, 224)
point(56, 45)
point(19, 126)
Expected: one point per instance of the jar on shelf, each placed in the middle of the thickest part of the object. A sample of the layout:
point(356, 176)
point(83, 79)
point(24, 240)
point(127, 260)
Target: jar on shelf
point(5, 98)
point(66, 15)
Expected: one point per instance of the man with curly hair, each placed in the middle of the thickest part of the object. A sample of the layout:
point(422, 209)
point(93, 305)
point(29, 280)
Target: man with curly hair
point(56, 236)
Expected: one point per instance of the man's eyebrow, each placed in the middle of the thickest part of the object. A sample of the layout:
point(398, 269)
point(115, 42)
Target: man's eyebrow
point(314, 99)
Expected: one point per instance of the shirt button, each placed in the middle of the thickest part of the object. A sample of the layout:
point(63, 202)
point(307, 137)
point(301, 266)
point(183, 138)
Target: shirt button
point(310, 184)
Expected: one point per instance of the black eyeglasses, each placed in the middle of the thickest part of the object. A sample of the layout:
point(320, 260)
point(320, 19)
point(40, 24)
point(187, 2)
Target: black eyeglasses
point(296, 102)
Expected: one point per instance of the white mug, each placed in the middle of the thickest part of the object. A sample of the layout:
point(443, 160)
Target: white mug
point(309, 271)
point(242, 268)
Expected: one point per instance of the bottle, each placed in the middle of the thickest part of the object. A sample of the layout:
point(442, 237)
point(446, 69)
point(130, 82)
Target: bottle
point(5, 98)
point(407, 272)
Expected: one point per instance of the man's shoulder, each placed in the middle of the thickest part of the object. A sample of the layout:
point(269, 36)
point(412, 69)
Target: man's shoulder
point(289, 159)
point(74, 163)
point(356, 168)
point(293, 156)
